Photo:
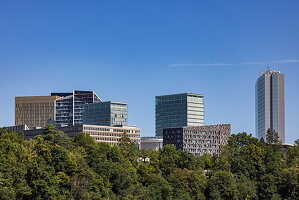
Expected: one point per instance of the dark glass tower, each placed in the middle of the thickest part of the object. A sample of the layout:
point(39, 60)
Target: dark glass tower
point(106, 114)
point(177, 110)
point(270, 104)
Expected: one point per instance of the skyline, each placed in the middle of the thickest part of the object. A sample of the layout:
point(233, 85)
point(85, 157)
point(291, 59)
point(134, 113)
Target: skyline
point(132, 52)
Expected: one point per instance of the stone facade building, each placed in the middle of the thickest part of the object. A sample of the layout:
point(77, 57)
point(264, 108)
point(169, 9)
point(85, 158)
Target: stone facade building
point(198, 139)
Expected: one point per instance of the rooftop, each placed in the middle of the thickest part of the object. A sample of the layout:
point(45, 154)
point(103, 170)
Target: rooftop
point(180, 94)
point(152, 138)
point(268, 71)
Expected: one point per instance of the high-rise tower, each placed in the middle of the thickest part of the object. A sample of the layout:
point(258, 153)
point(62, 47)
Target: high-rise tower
point(270, 104)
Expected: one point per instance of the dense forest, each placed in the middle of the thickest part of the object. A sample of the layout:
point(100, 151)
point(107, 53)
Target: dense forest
point(54, 166)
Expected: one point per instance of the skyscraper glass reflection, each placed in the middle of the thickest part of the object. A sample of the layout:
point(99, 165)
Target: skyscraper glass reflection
point(270, 111)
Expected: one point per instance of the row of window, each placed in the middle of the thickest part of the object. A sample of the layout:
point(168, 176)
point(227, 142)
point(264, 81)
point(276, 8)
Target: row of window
point(112, 130)
point(110, 139)
point(202, 151)
point(25, 105)
point(201, 146)
point(111, 135)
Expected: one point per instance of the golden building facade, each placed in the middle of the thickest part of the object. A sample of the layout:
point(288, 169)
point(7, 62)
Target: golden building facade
point(34, 111)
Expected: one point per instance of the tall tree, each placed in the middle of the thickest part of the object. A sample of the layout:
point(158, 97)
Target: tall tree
point(272, 137)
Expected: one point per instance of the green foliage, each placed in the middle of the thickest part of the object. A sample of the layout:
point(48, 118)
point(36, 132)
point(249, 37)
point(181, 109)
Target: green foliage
point(222, 185)
point(247, 188)
point(267, 188)
point(168, 158)
point(53, 166)
point(187, 184)
point(293, 155)
point(272, 137)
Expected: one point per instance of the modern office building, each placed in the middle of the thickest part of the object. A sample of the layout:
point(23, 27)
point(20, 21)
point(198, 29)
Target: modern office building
point(152, 143)
point(69, 107)
point(59, 108)
point(177, 110)
point(270, 112)
point(107, 134)
point(198, 139)
point(106, 114)
point(34, 111)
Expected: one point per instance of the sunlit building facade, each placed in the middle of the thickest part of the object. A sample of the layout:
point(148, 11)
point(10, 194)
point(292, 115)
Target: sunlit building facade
point(34, 111)
point(108, 134)
point(58, 109)
point(112, 134)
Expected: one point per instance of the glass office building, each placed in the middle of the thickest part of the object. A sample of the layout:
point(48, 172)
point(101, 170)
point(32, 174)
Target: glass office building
point(270, 104)
point(69, 107)
point(177, 110)
point(106, 114)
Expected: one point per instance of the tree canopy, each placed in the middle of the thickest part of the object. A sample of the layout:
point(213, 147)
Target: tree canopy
point(54, 166)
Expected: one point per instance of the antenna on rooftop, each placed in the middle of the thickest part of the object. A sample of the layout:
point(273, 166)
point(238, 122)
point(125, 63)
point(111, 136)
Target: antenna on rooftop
point(268, 68)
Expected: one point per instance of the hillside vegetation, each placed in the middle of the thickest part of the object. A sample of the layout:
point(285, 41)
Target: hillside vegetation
point(53, 166)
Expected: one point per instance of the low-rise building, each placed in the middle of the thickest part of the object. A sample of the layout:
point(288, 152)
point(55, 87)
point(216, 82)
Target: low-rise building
point(112, 134)
point(17, 129)
point(107, 134)
point(198, 139)
point(152, 143)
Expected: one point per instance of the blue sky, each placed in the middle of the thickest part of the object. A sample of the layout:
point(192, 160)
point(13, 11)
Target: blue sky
point(132, 51)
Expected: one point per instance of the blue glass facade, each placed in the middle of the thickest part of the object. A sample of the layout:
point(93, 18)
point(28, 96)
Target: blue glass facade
point(179, 110)
point(69, 107)
point(106, 114)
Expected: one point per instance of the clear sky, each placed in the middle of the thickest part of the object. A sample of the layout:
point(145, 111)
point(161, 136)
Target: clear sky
point(131, 51)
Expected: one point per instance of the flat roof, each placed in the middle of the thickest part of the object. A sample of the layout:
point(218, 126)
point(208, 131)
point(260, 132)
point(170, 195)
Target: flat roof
point(179, 94)
point(152, 138)
point(112, 102)
point(62, 94)
point(196, 126)
point(116, 102)
point(31, 99)
point(111, 127)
